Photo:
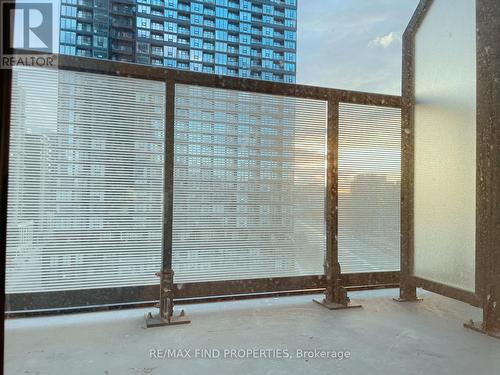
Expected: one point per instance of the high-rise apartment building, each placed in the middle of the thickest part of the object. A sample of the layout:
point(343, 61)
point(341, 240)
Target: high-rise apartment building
point(245, 38)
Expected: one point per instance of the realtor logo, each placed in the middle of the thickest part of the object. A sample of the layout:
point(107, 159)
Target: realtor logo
point(26, 34)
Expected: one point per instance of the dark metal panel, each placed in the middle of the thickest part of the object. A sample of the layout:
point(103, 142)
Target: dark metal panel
point(125, 296)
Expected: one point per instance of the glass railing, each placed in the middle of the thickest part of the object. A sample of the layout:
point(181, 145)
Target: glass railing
point(249, 192)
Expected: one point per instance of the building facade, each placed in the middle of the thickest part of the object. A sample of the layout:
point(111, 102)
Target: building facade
point(245, 38)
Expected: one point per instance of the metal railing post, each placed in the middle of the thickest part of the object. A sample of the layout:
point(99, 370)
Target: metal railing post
point(408, 289)
point(488, 167)
point(166, 274)
point(335, 294)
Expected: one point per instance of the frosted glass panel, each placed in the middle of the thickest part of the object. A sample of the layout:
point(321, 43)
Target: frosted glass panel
point(85, 181)
point(249, 185)
point(445, 155)
point(369, 188)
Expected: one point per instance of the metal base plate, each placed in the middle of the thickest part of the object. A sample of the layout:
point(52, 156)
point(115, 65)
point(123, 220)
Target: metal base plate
point(478, 327)
point(156, 321)
point(399, 299)
point(336, 306)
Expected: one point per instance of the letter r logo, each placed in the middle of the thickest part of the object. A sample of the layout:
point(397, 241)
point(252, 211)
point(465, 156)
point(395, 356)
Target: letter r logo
point(27, 26)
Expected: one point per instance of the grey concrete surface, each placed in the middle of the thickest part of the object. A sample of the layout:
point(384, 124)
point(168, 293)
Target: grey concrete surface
point(384, 337)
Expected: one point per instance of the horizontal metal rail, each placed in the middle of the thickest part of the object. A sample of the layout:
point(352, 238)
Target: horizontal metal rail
point(116, 68)
point(123, 296)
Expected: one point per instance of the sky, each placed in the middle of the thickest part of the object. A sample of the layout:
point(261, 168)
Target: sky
point(352, 44)
point(345, 44)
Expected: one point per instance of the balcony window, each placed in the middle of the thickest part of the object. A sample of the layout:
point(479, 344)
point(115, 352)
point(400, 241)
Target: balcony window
point(143, 22)
point(100, 42)
point(84, 40)
point(143, 48)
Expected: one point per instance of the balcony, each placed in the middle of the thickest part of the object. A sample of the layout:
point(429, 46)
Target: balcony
point(84, 42)
point(157, 3)
point(122, 35)
point(85, 4)
point(122, 23)
point(122, 10)
point(84, 16)
point(207, 23)
point(84, 28)
point(146, 197)
point(209, 12)
point(122, 49)
point(237, 162)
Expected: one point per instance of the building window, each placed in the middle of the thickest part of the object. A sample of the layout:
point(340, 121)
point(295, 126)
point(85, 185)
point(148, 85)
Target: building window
point(143, 33)
point(100, 42)
point(196, 67)
point(68, 11)
point(196, 8)
point(196, 43)
point(221, 58)
point(170, 51)
point(143, 22)
point(170, 38)
point(155, 50)
point(196, 19)
point(196, 55)
point(221, 35)
point(67, 50)
point(221, 12)
point(68, 37)
point(196, 31)
point(143, 9)
point(84, 40)
point(68, 23)
point(171, 63)
point(142, 47)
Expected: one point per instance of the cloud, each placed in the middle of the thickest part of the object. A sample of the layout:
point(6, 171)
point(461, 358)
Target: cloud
point(385, 40)
point(334, 43)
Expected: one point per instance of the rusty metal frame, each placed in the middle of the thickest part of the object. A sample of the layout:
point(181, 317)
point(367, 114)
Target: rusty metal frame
point(408, 285)
point(336, 293)
point(409, 282)
point(488, 166)
point(487, 288)
point(91, 299)
point(122, 69)
point(35, 301)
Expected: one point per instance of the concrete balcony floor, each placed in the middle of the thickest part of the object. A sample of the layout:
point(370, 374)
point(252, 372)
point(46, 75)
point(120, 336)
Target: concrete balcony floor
point(384, 337)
